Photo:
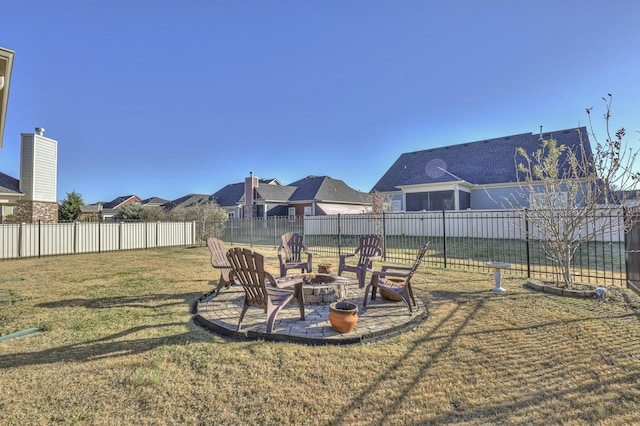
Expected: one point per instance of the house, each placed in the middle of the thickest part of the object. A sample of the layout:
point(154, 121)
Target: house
point(186, 201)
point(473, 175)
point(32, 198)
point(154, 202)
point(310, 196)
point(119, 202)
point(10, 194)
point(232, 199)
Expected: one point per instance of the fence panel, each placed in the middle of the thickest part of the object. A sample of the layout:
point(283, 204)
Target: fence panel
point(50, 239)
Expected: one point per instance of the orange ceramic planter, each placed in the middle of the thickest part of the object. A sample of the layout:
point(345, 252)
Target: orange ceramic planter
point(343, 316)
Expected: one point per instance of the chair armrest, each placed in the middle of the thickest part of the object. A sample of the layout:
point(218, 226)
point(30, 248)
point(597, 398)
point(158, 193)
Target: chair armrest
point(388, 274)
point(280, 248)
point(344, 256)
point(398, 268)
point(284, 282)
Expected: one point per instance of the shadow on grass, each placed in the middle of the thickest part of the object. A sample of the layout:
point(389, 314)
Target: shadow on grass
point(109, 346)
point(539, 382)
point(145, 301)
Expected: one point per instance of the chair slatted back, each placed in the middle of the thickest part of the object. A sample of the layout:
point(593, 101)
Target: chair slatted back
point(247, 269)
point(293, 244)
point(369, 247)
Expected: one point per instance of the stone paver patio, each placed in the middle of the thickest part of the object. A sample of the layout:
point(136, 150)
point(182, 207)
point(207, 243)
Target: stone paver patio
point(381, 319)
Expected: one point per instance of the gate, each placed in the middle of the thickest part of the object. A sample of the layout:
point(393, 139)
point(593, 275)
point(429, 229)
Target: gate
point(632, 248)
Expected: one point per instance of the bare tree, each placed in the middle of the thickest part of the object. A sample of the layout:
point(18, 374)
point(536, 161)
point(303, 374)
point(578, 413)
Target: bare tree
point(566, 190)
point(210, 218)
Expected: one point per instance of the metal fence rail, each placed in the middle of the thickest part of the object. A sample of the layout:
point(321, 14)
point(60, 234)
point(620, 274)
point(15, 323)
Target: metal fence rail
point(459, 239)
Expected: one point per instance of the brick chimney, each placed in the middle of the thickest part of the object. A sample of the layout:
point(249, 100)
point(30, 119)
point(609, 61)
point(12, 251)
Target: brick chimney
point(250, 185)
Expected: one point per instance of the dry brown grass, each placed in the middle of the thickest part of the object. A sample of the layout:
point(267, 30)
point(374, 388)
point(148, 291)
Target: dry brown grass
point(118, 347)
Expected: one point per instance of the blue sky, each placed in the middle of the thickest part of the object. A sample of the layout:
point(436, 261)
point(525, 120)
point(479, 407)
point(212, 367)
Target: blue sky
point(166, 98)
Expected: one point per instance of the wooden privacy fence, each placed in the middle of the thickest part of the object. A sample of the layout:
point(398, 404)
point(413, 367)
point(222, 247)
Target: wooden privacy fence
point(50, 239)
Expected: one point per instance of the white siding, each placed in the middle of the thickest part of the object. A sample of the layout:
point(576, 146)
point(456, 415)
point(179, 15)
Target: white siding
point(39, 168)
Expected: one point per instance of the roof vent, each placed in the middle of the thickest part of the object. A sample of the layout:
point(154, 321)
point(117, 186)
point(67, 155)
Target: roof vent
point(40, 131)
point(540, 138)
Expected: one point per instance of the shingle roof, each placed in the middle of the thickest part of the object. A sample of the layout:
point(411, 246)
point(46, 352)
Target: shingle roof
point(324, 188)
point(228, 196)
point(273, 193)
point(117, 201)
point(482, 162)
point(154, 200)
point(9, 185)
point(187, 201)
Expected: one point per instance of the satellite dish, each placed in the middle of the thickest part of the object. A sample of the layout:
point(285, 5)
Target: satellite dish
point(435, 168)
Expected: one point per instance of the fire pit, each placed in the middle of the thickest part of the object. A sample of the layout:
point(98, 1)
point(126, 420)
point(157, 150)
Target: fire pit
point(322, 288)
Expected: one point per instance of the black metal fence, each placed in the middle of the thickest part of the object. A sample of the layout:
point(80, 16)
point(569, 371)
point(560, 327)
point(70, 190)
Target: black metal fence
point(459, 239)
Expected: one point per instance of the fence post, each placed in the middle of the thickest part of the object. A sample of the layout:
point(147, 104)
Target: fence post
point(444, 238)
point(39, 237)
point(384, 236)
point(99, 239)
point(339, 237)
point(528, 241)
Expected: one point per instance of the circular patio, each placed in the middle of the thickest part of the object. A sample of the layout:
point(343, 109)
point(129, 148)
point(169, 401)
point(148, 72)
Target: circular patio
point(382, 318)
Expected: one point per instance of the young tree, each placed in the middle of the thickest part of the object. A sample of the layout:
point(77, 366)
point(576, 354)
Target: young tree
point(209, 217)
point(69, 208)
point(564, 191)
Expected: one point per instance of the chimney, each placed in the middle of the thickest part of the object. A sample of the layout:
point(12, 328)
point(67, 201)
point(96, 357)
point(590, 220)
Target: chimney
point(40, 131)
point(250, 184)
point(540, 138)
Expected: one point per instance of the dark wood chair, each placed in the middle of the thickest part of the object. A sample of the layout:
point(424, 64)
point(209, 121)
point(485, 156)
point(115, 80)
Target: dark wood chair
point(290, 254)
point(396, 280)
point(368, 251)
point(219, 261)
point(260, 287)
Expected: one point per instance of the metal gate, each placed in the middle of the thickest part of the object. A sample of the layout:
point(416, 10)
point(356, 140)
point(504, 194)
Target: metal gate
point(632, 248)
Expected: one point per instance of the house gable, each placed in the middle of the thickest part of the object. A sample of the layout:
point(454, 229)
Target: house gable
point(439, 178)
point(486, 162)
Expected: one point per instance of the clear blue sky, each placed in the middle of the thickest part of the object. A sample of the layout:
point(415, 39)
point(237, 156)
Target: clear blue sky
point(166, 98)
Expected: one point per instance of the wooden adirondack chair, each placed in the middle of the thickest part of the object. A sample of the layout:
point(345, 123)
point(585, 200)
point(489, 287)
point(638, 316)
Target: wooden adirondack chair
point(261, 288)
point(367, 252)
point(219, 261)
point(290, 254)
point(395, 280)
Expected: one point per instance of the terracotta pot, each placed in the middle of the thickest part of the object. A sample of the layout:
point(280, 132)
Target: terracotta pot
point(325, 268)
point(343, 316)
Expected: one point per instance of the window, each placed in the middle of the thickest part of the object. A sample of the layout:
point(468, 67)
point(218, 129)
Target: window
point(307, 211)
point(292, 214)
point(430, 201)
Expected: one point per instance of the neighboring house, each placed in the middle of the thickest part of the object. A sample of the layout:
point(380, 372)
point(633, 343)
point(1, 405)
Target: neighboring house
point(474, 175)
point(10, 194)
point(186, 201)
point(122, 201)
point(96, 213)
point(232, 199)
point(310, 196)
point(154, 202)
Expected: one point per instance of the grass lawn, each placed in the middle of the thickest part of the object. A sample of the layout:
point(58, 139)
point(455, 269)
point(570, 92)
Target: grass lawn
point(119, 347)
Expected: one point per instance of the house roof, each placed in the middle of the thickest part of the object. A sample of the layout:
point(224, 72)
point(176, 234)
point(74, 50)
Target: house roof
point(275, 193)
point(186, 201)
point(9, 185)
point(228, 196)
point(113, 204)
point(232, 194)
point(324, 188)
point(157, 201)
point(483, 162)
